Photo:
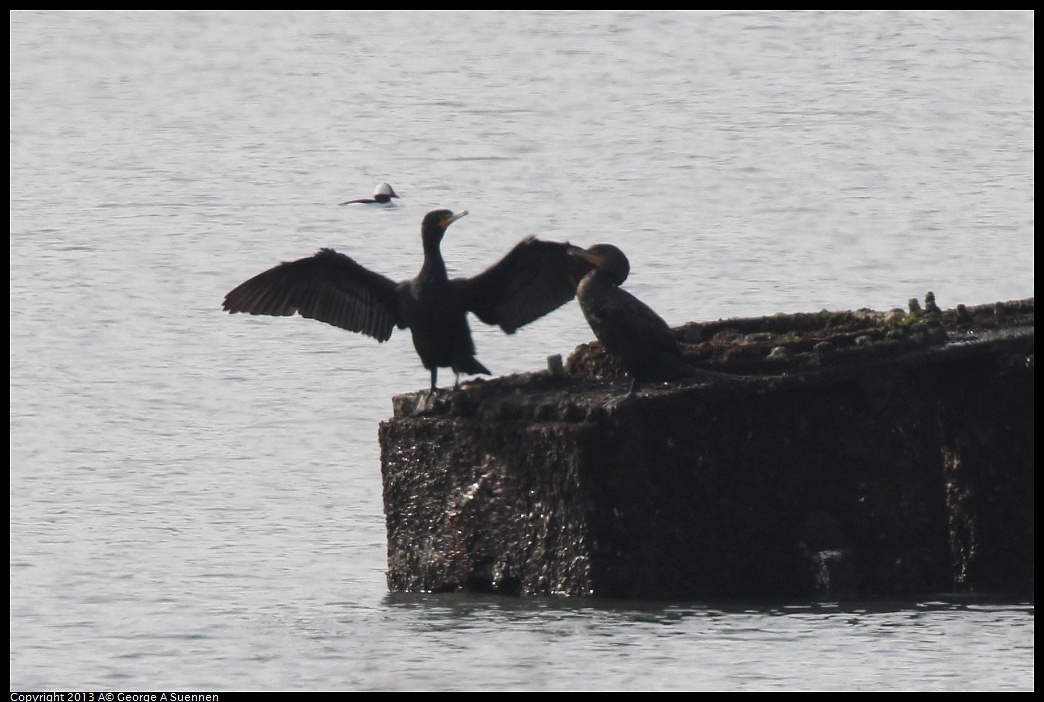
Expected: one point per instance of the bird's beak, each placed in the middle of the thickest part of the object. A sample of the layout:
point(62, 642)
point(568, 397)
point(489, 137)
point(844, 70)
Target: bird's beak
point(594, 259)
point(453, 218)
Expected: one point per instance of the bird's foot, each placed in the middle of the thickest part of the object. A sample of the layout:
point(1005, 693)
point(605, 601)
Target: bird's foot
point(426, 398)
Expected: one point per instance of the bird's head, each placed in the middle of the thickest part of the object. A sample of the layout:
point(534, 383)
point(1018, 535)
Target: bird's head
point(607, 259)
point(435, 224)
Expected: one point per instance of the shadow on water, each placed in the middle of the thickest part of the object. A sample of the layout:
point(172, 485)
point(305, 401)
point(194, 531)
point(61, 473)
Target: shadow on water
point(450, 606)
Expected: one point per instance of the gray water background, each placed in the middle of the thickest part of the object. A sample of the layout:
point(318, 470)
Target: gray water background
point(195, 497)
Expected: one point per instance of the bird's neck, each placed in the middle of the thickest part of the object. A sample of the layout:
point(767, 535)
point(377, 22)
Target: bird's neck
point(599, 279)
point(434, 266)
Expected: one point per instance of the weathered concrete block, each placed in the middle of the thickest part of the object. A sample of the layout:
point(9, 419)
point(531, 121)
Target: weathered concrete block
point(855, 468)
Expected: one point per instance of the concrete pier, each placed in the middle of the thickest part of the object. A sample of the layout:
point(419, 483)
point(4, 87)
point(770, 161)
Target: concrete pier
point(863, 455)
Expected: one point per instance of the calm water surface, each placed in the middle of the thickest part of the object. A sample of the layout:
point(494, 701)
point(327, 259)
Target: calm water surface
point(196, 498)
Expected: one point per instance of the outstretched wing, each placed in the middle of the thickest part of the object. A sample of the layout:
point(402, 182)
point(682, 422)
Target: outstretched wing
point(534, 278)
point(329, 287)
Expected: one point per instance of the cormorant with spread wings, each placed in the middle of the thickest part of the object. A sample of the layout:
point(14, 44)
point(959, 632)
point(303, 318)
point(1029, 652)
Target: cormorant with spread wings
point(533, 279)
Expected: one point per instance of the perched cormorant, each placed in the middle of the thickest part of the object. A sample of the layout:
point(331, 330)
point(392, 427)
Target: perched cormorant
point(382, 195)
point(533, 279)
point(629, 329)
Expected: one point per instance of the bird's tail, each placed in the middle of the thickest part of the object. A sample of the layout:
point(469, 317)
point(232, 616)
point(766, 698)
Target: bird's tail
point(471, 365)
point(714, 376)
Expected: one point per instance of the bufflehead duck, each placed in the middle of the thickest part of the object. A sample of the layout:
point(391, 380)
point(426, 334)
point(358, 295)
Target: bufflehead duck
point(381, 196)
